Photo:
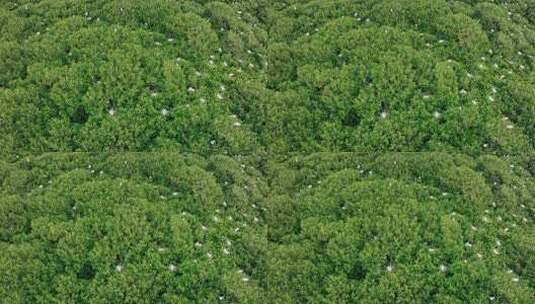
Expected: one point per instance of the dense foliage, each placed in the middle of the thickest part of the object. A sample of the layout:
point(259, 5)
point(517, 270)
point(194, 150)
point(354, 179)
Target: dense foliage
point(254, 151)
point(325, 228)
point(302, 76)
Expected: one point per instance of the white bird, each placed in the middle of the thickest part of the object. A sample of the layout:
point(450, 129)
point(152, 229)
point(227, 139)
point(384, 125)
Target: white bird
point(165, 112)
point(443, 268)
point(112, 112)
point(172, 268)
point(119, 268)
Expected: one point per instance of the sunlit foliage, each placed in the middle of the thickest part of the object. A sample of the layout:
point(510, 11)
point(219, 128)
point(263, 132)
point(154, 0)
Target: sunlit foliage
point(281, 76)
point(340, 228)
point(254, 151)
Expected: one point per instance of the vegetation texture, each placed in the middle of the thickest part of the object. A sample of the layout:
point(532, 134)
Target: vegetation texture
point(279, 76)
point(255, 151)
point(321, 228)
